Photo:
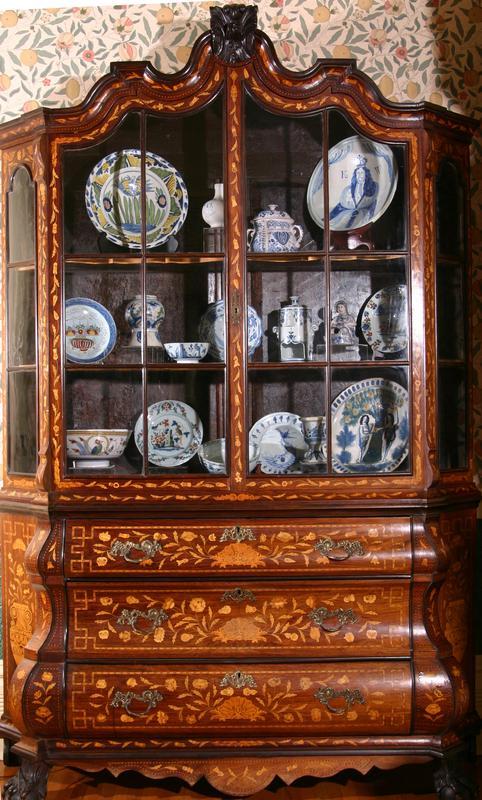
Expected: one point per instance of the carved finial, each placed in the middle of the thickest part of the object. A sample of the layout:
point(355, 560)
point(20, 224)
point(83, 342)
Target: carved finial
point(232, 32)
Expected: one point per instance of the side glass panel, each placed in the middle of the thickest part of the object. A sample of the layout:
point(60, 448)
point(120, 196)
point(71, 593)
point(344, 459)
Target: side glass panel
point(451, 317)
point(21, 323)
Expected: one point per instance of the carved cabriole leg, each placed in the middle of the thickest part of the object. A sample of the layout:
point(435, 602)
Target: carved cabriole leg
point(30, 782)
point(452, 782)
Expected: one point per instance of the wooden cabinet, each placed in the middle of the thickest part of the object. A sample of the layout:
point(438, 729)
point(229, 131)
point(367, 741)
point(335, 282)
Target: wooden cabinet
point(251, 558)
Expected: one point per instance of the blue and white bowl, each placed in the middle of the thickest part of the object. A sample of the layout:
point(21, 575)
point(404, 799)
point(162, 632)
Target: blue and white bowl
point(187, 352)
point(212, 456)
point(211, 329)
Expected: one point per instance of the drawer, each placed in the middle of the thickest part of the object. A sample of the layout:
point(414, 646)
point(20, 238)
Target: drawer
point(338, 698)
point(328, 547)
point(326, 618)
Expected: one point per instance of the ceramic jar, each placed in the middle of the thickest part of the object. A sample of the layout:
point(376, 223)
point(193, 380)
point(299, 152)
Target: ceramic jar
point(155, 314)
point(213, 210)
point(274, 232)
point(295, 331)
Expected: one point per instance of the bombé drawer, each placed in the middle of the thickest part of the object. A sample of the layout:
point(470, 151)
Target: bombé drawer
point(335, 698)
point(289, 619)
point(327, 547)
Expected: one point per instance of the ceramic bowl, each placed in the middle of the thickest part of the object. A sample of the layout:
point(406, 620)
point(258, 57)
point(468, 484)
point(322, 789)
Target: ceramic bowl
point(212, 456)
point(190, 352)
point(94, 449)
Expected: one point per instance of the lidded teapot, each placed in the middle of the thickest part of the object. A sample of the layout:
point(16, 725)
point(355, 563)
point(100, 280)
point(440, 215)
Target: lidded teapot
point(274, 232)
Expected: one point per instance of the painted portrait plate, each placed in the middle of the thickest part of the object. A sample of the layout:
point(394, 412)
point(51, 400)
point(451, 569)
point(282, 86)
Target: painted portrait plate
point(363, 177)
point(90, 331)
point(113, 198)
point(370, 427)
point(174, 433)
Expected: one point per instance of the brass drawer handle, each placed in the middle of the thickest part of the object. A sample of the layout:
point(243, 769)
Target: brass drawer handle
point(350, 696)
point(150, 697)
point(237, 534)
point(238, 680)
point(148, 548)
point(129, 617)
point(329, 548)
point(238, 595)
point(321, 616)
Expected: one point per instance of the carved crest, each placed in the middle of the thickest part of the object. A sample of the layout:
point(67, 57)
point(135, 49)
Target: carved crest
point(233, 32)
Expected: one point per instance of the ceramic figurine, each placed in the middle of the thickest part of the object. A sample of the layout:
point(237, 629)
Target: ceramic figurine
point(155, 314)
point(274, 232)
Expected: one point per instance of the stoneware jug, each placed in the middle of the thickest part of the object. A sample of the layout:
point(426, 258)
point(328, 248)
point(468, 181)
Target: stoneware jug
point(274, 232)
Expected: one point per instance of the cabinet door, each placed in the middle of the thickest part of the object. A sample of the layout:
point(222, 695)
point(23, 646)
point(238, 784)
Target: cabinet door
point(328, 297)
point(144, 288)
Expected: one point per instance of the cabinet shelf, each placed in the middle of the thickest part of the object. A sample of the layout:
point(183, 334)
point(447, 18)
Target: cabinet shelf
point(152, 367)
point(107, 260)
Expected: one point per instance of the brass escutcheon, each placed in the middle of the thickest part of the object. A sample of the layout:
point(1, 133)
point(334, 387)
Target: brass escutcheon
point(148, 548)
point(350, 547)
point(151, 697)
point(238, 595)
point(129, 617)
point(237, 534)
point(238, 680)
point(350, 696)
point(322, 614)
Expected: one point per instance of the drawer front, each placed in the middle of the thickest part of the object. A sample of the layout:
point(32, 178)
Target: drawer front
point(339, 698)
point(356, 619)
point(330, 547)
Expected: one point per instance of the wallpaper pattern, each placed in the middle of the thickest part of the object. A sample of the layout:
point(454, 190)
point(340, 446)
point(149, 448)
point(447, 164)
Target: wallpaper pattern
point(413, 49)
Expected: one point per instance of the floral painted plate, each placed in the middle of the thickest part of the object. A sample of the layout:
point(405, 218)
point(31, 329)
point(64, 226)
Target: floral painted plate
point(363, 177)
point(384, 320)
point(90, 331)
point(174, 433)
point(211, 329)
point(370, 428)
point(113, 198)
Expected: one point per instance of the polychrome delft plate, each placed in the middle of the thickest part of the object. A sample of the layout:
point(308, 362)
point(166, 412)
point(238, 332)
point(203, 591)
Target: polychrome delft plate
point(384, 320)
point(211, 329)
point(370, 427)
point(113, 198)
point(279, 440)
point(174, 433)
point(90, 331)
point(363, 177)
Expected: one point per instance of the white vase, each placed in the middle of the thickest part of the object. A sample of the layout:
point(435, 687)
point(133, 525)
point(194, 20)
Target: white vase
point(213, 210)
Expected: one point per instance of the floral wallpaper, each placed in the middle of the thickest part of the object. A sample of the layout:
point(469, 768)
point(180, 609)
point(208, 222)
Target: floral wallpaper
point(413, 50)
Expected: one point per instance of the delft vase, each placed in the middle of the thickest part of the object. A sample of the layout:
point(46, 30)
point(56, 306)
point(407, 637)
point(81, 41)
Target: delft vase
point(213, 210)
point(155, 314)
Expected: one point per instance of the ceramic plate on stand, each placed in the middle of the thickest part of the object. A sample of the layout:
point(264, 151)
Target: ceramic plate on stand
point(113, 198)
point(90, 331)
point(363, 177)
point(174, 433)
point(279, 440)
point(370, 429)
point(384, 320)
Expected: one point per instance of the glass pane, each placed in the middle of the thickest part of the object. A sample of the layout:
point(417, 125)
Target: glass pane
point(21, 217)
point(21, 316)
point(281, 155)
point(370, 416)
point(366, 190)
point(450, 211)
point(450, 311)
point(190, 150)
point(368, 319)
point(22, 423)
point(452, 417)
point(287, 419)
point(101, 411)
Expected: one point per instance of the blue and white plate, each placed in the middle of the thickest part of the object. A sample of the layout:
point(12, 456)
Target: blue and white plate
point(370, 427)
point(384, 320)
point(279, 440)
point(113, 198)
point(363, 177)
point(211, 329)
point(174, 433)
point(90, 331)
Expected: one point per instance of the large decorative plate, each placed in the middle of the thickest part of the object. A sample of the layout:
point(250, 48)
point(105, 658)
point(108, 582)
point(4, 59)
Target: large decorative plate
point(370, 427)
point(363, 178)
point(90, 331)
point(211, 329)
point(384, 320)
point(279, 440)
point(113, 198)
point(174, 433)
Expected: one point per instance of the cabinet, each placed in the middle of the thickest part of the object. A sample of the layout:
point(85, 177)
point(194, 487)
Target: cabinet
point(238, 512)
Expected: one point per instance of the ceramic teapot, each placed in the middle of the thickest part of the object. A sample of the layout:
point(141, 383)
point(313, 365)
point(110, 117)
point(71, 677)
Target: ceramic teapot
point(274, 232)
